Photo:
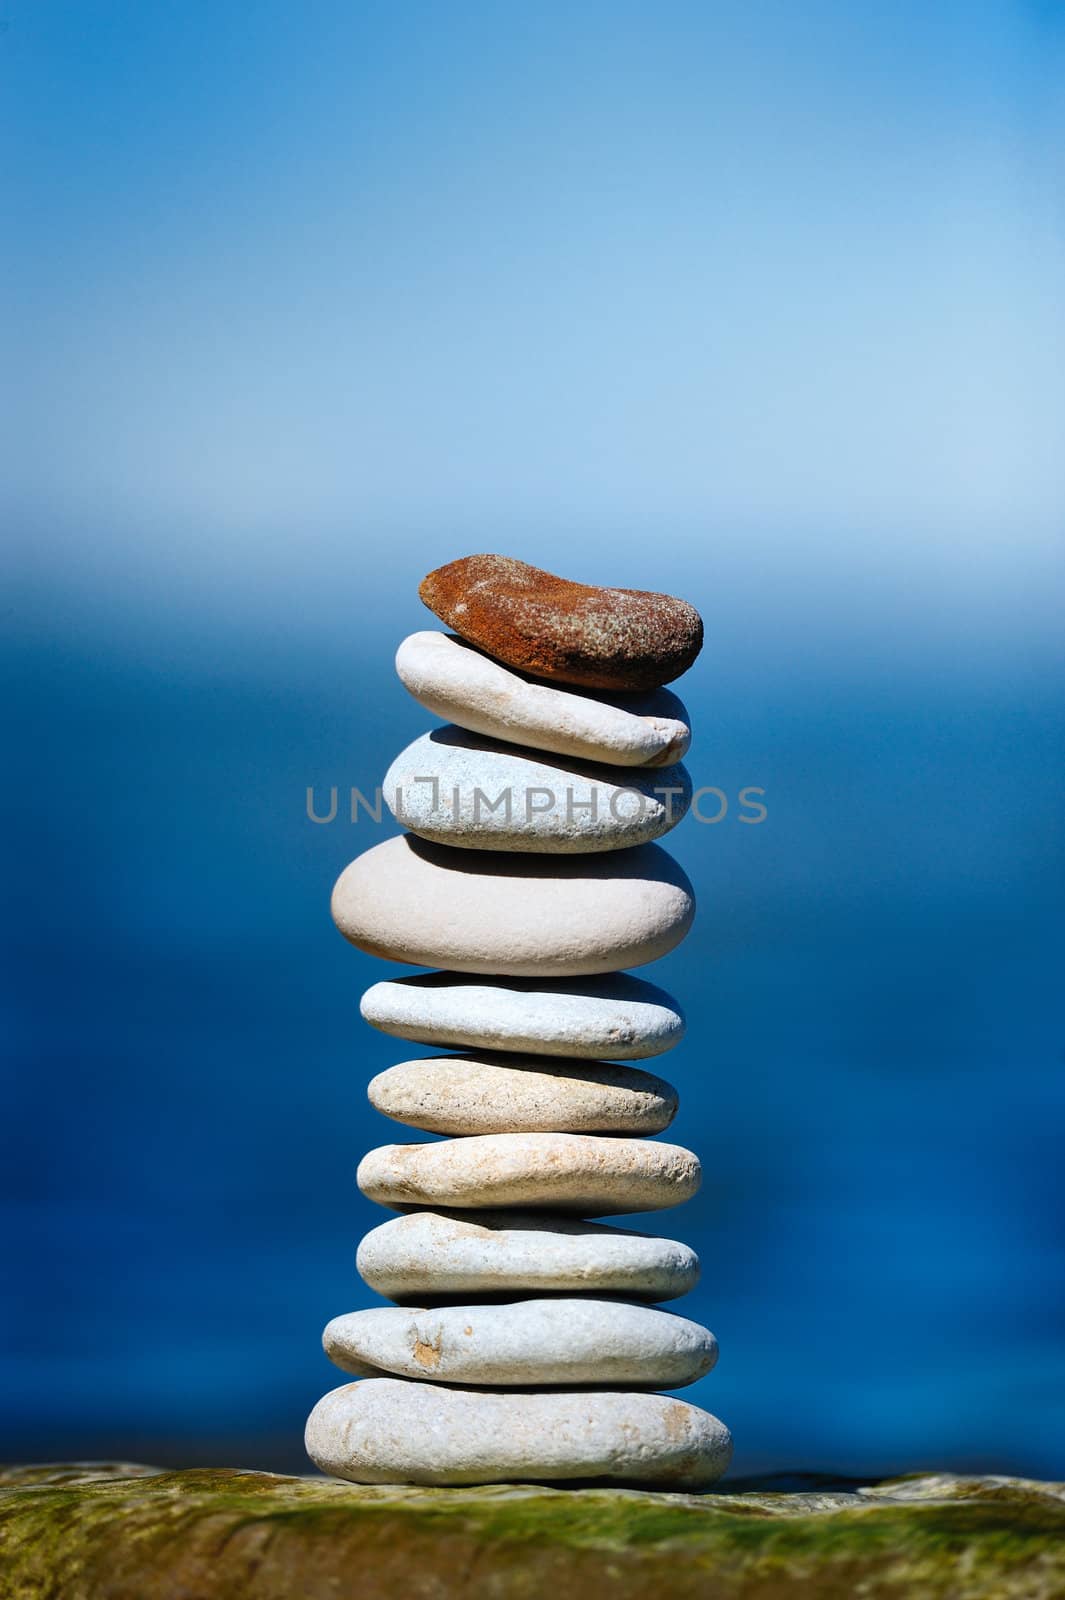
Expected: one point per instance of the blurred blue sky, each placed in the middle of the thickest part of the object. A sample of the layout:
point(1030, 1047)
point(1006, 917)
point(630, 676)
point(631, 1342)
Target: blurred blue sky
point(761, 304)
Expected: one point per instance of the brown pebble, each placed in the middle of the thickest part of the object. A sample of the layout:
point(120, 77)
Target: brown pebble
point(570, 632)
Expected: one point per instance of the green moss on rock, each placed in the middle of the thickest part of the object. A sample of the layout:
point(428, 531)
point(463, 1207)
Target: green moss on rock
point(121, 1532)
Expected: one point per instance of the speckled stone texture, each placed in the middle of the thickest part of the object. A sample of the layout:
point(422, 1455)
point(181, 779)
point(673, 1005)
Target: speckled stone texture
point(554, 628)
point(525, 1344)
point(503, 1093)
point(428, 1256)
point(389, 1430)
point(121, 1532)
point(457, 682)
point(613, 1015)
point(584, 1174)
point(497, 912)
point(459, 788)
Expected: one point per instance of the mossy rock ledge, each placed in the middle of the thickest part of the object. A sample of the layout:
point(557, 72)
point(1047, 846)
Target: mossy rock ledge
point(113, 1531)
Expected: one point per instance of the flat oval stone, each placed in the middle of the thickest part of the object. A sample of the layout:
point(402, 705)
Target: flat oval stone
point(430, 1256)
point(522, 1094)
point(527, 915)
point(573, 632)
point(457, 682)
point(581, 1173)
point(459, 788)
point(612, 1015)
point(389, 1430)
point(601, 1343)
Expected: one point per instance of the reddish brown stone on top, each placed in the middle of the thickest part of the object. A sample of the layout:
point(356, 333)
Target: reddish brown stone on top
point(570, 632)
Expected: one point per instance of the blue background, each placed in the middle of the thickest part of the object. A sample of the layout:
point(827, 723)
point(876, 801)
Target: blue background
point(756, 303)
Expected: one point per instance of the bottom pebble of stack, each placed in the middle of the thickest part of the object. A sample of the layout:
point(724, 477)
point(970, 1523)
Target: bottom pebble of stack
point(392, 1430)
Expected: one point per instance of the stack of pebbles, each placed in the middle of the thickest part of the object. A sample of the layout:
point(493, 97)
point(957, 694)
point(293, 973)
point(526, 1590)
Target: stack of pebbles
point(524, 1341)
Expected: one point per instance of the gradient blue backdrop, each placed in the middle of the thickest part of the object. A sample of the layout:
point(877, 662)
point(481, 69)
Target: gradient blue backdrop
point(760, 303)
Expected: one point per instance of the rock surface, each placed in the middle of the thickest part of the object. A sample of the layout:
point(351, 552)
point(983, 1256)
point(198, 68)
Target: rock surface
point(579, 1173)
point(388, 1430)
point(457, 682)
point(121, 1532)
point(433, 1255)
point(458, 788)
point(612, 1015)
point(487, 911)
point(599, 1343)
point(554, 628)
point(522, 1094)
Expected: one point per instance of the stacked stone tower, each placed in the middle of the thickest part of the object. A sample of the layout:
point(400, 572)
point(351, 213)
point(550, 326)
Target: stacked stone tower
point(525, 1340)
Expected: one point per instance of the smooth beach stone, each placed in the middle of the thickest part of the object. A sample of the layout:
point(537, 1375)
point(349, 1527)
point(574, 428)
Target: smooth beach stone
point(428, 1256)
point(581, 1173)
point(489, 911)
point(457, 682)
point(389, 1430)
point(554, 628)
point(612, 1015)
point(459, 788)
point(522, 1094)
point(603, 1343)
